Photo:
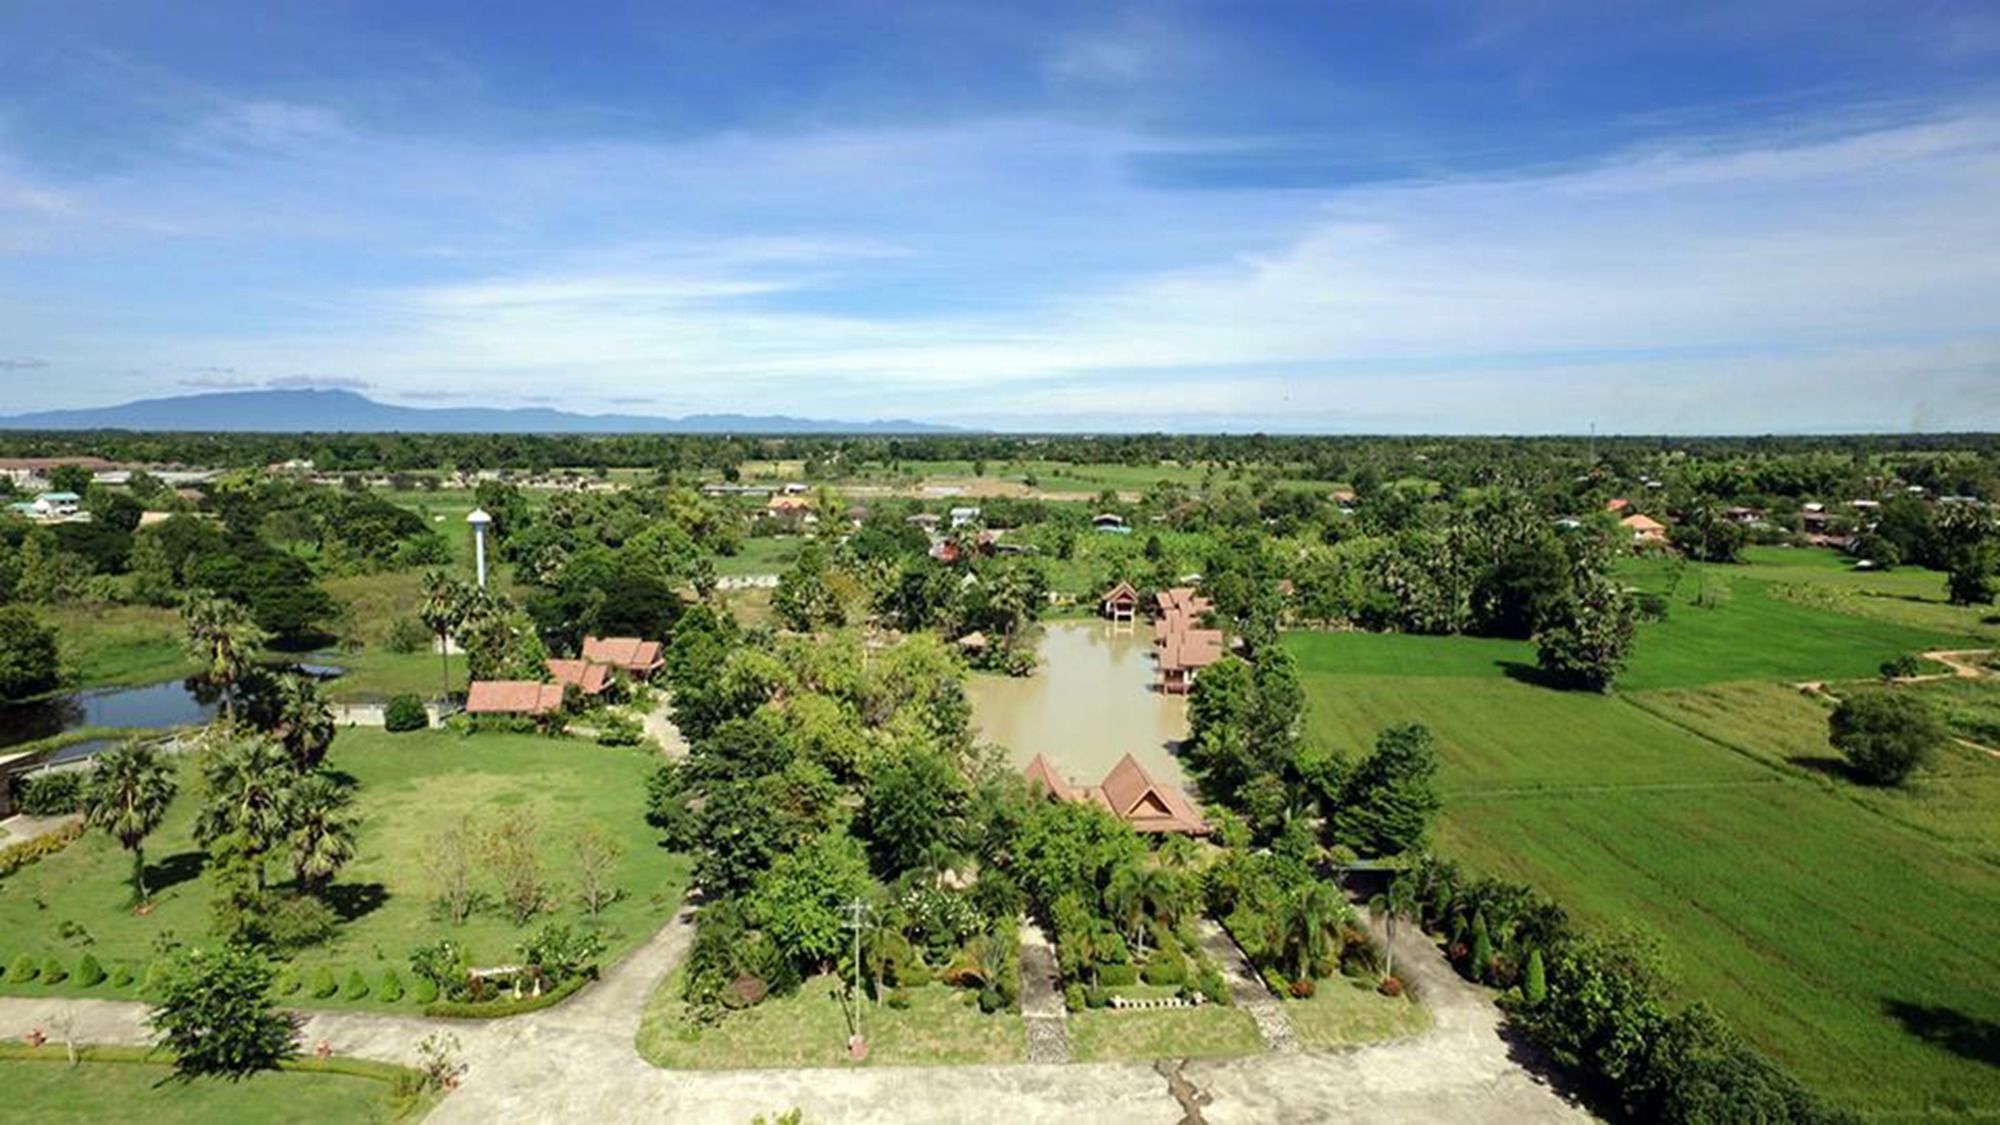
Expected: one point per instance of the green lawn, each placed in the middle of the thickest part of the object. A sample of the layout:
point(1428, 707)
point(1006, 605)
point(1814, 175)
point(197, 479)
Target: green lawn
point(810, 1028)
point(1848, 932)
point(408, 787)
point(125, 1085)
point(1345, 1012)
point(768, 554)
point(1209, 1032)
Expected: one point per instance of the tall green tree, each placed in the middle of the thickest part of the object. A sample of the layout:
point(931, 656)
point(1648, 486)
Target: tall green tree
point(1588, 638)
point(1305, 927)
point(320, 826)
point(127, 796)
point(30, 662)
point(245, 783)
point(1886, 735)
point(1389, 799)
point(223, 640)
point(304, 721)
point(216, 1016)
point(446, 601)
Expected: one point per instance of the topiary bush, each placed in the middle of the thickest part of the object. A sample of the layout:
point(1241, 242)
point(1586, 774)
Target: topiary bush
point(391, 989)
point(323, 984)
point(424, 990)
point(89, 973)
point(22, 970)
point(288, 982)
point(1095, 998)
point(405, 713)
point(1166, 969)
point(357, 986)
point(990, 1000)
point(121, 977)
point(898, 999)
point(53, 970)
point(1117, 976)
point(157, 975)
point(1073, 998)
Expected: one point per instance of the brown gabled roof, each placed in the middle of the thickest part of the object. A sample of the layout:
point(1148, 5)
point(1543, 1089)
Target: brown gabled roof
point(590, 679)
point(628, 653)
point(1121, 592)
point(1194, 648)
point(1147, 805)
point(1042, 775)
point(513, 697)
point(1643, 523)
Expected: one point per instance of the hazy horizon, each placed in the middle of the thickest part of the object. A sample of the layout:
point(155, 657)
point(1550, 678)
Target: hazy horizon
point(1289, 217)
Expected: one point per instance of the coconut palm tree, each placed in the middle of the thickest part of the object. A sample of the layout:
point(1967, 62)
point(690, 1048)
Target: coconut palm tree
point(1398, 903)
point(1304, 925)
point(223, 640)
point(305, 722)
point(1138, 894)
point(245, 779)
point(447, 601)
point(317, 813)
point(127, 796)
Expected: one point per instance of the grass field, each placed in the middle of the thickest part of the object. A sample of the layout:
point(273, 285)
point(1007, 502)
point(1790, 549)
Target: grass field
point(1848, 932)
point(759, 555)
point(111, 1084)
point(1346, 1012)
point(408, 787)
point(117, 646)
point(810, 1028)
point(1211, 1032)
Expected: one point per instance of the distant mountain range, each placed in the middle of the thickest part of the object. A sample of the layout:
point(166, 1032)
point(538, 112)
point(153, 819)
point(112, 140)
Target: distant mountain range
point(334, 411)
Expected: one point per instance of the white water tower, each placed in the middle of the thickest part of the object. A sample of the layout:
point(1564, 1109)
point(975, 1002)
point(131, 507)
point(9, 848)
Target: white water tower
point(479, 521)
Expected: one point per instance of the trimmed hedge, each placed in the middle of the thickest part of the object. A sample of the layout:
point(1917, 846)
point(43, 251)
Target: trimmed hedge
point(89, 973)
point(53, 970)
point(357, 986)
point(22, 970)
point(500, 1009)
point(405, 713)
point(121, 977)
point(323, 984)
point(391, 989)
point(20, 855)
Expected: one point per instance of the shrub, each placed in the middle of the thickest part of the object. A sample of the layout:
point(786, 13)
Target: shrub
point(496, 1009)
point(1210, 983)
point(1117, 976)
point(22, 970)
point(20, 855)
point(1073, 998)
point(1390, 986)
point(1536, 989)
point(916, 974)
point(408, 635)
point(157, 975)
point(121, 977)
point(898, 999)
point(323, 984)
point(89, 973)
point(616, 728)
point(1902, 666)
point(424, 990)
point(1275, 981)
point(53, 971)
point(1095, 998)
point(391, 989)
point(1885, 735)
point(1167, 969)
point(215, 1015)
point(50, 794)
point(288, 982)
point(1303, 989)
point(299, 922)
point(405, 713)
point(990, 1000)
point(357, 986)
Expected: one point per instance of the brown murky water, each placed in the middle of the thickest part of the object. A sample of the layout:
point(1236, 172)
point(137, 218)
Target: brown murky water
point(1090, 703)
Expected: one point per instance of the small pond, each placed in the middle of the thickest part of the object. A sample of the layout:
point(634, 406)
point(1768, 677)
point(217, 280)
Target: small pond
point(1090, 703)
point(173, 703)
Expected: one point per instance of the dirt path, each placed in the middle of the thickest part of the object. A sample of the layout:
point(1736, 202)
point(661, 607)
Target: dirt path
point(1965, 664)
point(577, 1062)
point(661, 729)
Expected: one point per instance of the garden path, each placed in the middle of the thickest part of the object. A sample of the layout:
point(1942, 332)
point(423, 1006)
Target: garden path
point(1246, 991)
point(1043, 1010)
point(577, 1062)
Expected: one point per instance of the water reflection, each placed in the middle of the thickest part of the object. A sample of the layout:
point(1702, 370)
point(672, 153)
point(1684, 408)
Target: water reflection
point(1090, 703)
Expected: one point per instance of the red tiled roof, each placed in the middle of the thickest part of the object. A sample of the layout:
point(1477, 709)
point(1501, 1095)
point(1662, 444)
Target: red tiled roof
point(629, 653)
point(590, 679)
point(1643, 523)
point(1041, 773)
point(513, 697)
point(1123, 592)
point(1147, 805)
point(1195, 648)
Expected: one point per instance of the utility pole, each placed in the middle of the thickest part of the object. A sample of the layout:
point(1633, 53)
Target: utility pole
point(856, 912)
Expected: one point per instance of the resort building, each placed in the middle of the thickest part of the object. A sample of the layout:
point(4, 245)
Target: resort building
point(588, 678)
point(513, 697)
point(1181, 647)
point(1646, 531)
point(1128, 793)
point(1120, 603)
point(636, 658)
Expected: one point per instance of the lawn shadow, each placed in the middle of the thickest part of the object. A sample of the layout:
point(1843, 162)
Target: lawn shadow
point(1968, 1036)
point(1836, 768)
point(181, 867)
point(1528, 674)
point(356, 900)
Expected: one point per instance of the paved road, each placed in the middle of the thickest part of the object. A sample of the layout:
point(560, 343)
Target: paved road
point(577, 1062)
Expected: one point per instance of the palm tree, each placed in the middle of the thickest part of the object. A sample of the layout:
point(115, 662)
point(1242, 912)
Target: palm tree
point(1394, 905)
point(446, 605)
point(1129, 899)
point(246, 779)
point(127, 796)
point(305, 722)
point(223, 639)
point(1306, 923)
point(317, 813)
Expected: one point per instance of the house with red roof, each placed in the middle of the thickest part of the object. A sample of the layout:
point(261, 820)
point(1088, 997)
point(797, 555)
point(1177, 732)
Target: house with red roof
point(588, 679)
point(1120, 603)
point(630, 655)
point(515, 698)
point(1128, 793)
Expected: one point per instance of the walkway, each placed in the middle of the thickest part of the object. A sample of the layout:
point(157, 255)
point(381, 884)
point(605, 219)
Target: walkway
point(576, 1062)
point(21, 828)
point(1246, 991)
point(1042, 1006)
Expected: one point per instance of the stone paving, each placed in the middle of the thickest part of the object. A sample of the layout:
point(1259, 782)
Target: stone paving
point(1247, 992)
point(1042, 1007)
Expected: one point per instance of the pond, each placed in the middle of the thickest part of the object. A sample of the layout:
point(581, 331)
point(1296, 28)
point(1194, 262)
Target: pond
point(1090, 703)
point(173, 703)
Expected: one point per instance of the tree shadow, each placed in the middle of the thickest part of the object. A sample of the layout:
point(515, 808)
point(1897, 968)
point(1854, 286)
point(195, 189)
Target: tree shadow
point(356, 900)
point(1528, 674)
point(1544, 1071)
point(1836, 768)
point(1967, 1036)
point(181, 867)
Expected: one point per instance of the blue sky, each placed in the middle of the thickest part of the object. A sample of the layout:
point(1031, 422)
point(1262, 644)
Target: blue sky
point(1343, 216)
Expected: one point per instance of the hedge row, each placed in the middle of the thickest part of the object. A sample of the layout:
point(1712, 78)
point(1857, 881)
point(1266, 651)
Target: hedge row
point(496, 1009)
point(20, 855)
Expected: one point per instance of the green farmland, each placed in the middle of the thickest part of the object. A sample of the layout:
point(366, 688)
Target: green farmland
point(1846, 931)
